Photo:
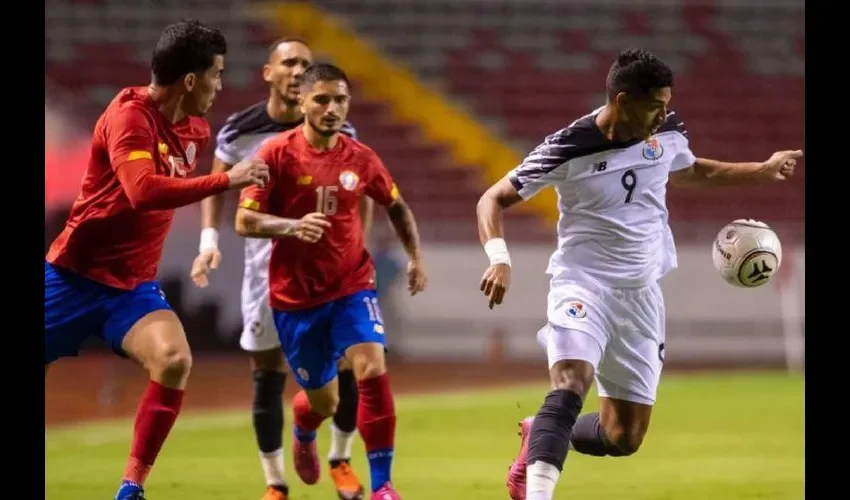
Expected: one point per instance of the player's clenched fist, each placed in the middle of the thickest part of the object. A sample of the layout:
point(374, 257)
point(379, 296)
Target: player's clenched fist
point(495, 283)
point(311, 227)
point(781, 164)
point(203, 263)
point(416, 277)
point(249, 172)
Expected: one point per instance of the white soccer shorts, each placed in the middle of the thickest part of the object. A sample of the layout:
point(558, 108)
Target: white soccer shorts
point(258, 332)
point(619, 331)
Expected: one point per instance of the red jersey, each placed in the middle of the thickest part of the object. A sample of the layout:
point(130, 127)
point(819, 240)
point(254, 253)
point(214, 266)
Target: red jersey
point(305, 180)
point(134, 180)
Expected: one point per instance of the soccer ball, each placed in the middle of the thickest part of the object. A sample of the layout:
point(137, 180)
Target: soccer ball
point(746, 253)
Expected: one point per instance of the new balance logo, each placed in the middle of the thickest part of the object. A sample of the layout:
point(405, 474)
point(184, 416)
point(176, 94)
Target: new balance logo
point(599, 167)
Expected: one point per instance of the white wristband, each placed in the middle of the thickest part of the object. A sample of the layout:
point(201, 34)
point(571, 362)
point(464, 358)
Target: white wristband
point(209, 239)
point(497, 251)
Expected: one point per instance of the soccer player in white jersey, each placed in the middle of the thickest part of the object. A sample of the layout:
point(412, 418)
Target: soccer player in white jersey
point(241, 137)
point(605, 309)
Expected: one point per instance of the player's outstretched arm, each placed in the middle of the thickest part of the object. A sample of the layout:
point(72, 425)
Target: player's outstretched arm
point(148, 191)
point(129, 137)
point(712, 173)
point(491, 231)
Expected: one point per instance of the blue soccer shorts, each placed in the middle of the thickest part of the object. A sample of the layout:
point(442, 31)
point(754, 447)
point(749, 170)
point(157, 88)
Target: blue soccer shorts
point(76, 308)
point(315, 339)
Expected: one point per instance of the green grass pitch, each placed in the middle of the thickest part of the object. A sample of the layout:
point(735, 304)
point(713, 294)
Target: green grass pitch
point(730, 437)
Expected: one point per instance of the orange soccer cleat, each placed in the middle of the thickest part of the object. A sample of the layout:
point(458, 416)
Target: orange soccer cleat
point(273, 493)
point(347, 484)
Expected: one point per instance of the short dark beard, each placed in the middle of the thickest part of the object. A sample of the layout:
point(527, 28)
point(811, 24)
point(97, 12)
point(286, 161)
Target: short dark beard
point(324, 133)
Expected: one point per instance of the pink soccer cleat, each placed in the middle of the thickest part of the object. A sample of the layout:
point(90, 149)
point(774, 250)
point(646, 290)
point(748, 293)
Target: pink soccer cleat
point(516, 472)
point(305, 457)
point(387, 492)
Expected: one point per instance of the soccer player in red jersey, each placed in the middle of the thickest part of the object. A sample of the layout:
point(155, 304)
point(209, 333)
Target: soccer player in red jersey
point(239, 138)
point(322, 279)
point(99, 274)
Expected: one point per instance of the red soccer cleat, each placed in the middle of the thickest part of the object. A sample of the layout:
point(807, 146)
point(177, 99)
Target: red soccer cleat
point(516, 472)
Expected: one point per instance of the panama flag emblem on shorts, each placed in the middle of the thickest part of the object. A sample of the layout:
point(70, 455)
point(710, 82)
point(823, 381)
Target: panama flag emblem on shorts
point(576, 310)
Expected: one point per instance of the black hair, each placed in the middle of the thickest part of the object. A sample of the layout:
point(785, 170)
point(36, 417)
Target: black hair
point(185, 47)
point(285, 39)
point(323, 72)
point(637, 72)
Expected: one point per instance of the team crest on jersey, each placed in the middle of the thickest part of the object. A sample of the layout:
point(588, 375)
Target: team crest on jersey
point(191, 151)
point(348, 180)
point(652, 149)
point(576, 310)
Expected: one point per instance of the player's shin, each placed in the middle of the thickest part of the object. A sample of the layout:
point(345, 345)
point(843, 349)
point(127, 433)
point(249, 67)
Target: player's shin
point(376, 417)
point(589, 438)
point(306, 420)
point(157, 342)
point(345, 418)
point(268, 423)
point(549, 441)
point(376, 422)
point(155, 417)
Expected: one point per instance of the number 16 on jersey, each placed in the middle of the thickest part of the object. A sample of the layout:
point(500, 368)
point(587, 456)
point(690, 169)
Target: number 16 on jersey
point(326, 200)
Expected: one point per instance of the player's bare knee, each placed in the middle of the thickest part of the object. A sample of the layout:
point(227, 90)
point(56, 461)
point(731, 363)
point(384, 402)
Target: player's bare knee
point(271, 360)
point(572, 375)
point(370, 368)
point(627, 441)
point(367, 360)
point(172, 362)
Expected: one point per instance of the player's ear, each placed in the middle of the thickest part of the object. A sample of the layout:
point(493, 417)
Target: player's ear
point(189, 81)
point(621, 99)
point(301, 103)
point(267, 73)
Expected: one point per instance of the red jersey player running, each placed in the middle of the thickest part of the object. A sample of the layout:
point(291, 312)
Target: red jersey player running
point(321, 277)
point(99, 274)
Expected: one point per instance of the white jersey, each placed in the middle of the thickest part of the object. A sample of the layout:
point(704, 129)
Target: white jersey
point(613, 222)
point(241, 136)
